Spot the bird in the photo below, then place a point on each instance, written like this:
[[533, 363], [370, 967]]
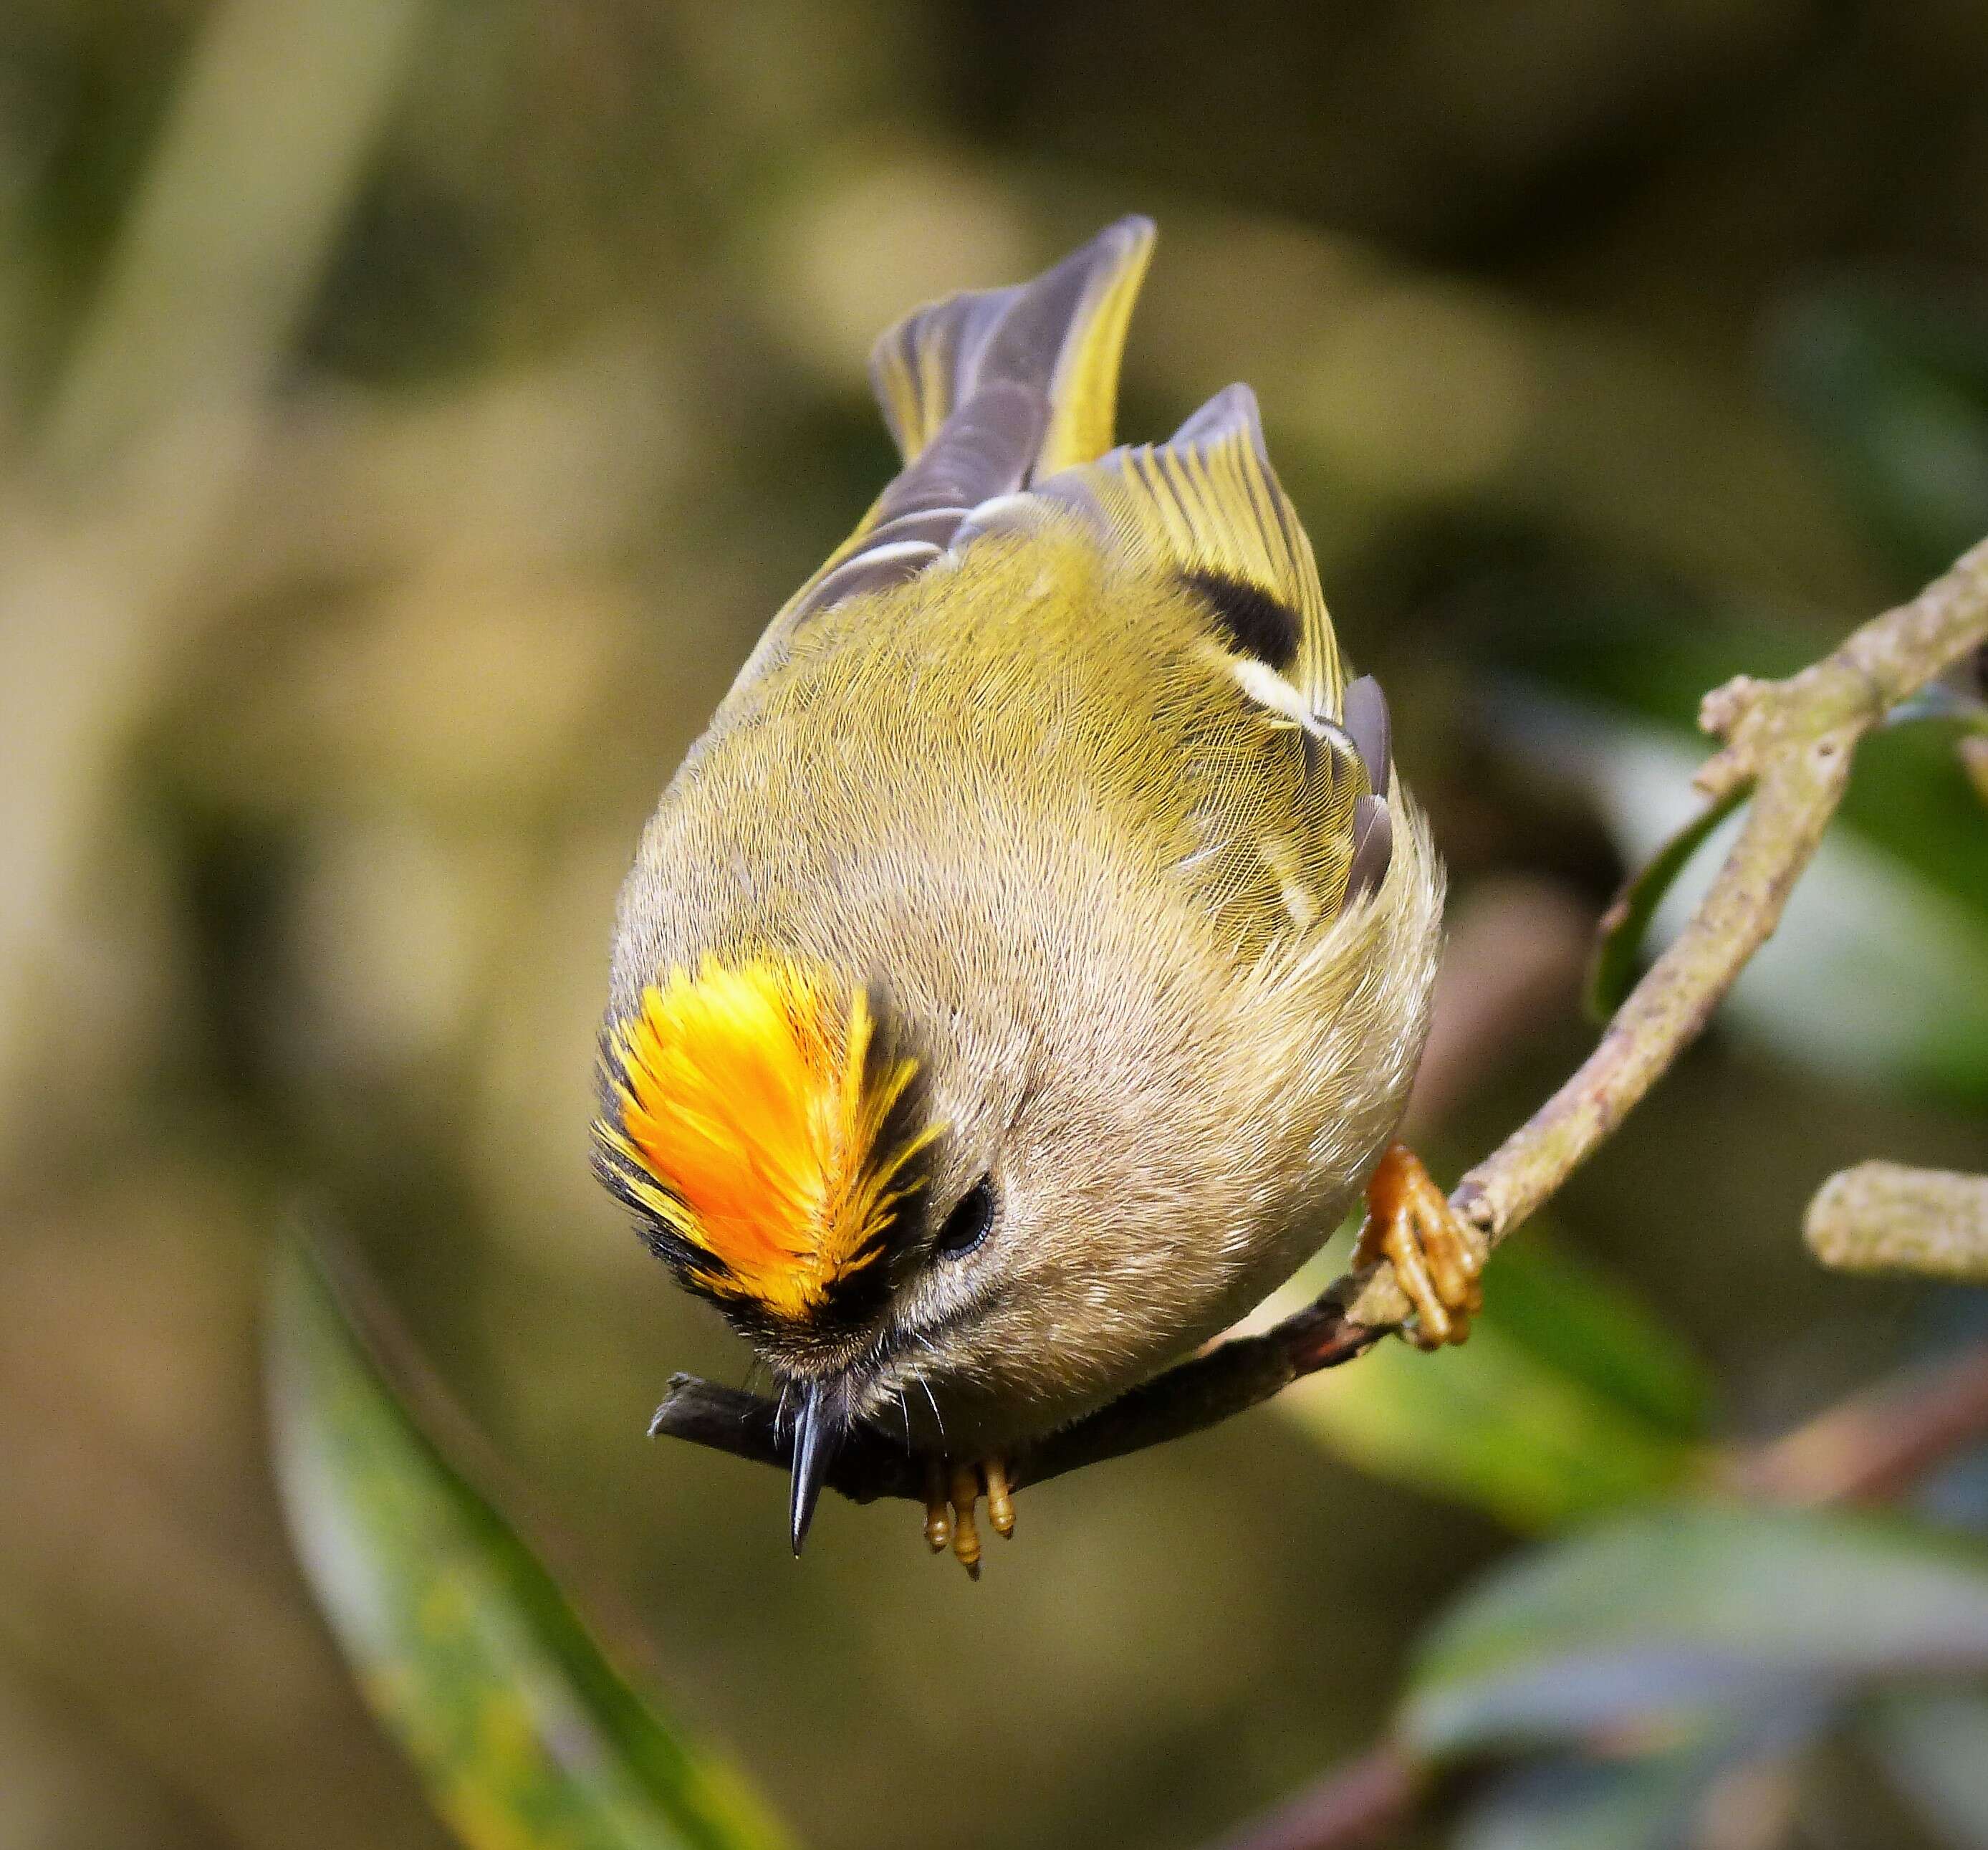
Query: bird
[[1025, 970]]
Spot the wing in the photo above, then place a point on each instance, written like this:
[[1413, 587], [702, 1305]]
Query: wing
[[1206, 508], [1061, 336], [1207, 502], [985, 392], [1001, 403]]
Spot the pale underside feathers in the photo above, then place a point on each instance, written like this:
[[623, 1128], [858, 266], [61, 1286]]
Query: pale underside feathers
[[1002, 402]]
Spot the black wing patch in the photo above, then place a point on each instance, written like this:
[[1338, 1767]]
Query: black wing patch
[[1252, 620]]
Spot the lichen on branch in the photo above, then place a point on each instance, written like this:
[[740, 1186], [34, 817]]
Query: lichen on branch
[[1883, 1217]]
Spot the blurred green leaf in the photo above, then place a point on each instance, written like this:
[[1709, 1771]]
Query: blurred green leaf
[[1875, 973], [1617, 960], [463, 1643], [1625, 653], [1569, 1398], [1935, 1745], [1909, 794], [1893, 380], [1572, 1317], [1658, 1619]]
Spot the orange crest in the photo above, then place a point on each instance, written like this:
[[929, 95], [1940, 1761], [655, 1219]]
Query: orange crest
[[751, 1125]]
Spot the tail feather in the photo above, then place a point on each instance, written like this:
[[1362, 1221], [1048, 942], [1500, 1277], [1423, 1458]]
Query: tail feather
[[985, 393], [1060, 337]]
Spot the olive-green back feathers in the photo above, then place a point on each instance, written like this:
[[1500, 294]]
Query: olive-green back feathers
[[1003, 402], [998, 392]]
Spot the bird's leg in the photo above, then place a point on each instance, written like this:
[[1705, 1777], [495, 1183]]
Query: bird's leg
[[1436, 1254], [952, 1497]]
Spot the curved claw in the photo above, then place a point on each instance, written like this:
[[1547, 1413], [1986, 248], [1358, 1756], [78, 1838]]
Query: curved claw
[[1436, 1254]]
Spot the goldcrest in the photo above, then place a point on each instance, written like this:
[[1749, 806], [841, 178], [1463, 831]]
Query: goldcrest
[[1026, 969]]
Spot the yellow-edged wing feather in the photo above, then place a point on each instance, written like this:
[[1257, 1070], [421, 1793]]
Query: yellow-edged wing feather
[[1061, 336], [984, 393], [1207, 500], [1205, 508]]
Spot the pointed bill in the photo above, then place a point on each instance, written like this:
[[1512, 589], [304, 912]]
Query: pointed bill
[[817, 1439]]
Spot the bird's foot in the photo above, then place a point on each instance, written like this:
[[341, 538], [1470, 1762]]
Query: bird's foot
[[952, 1494], [1436, 1254]]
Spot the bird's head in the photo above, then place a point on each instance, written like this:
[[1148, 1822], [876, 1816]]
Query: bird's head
[[773, 1139], [906, 1206]]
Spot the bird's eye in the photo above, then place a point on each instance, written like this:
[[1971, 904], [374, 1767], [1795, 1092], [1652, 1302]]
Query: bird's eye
[[966, 1227]]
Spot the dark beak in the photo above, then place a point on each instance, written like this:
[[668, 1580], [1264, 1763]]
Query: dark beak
[[817, 1437]]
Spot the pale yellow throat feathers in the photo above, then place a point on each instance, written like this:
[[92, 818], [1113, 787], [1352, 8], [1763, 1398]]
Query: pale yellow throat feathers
[[752, 1116]]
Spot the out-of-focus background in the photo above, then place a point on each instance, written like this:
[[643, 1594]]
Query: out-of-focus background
[[411, 411]]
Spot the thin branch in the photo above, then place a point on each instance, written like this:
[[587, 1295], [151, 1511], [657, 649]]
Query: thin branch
[[1229, 1379], [1367, 1800], [1791, 743], [1883, 1217], [1876, 1444]]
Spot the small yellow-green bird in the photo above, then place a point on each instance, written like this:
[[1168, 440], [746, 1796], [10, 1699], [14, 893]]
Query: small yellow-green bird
[[1025, 972]]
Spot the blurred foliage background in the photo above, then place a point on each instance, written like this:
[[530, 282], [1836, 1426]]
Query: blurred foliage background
[[410, 411]]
